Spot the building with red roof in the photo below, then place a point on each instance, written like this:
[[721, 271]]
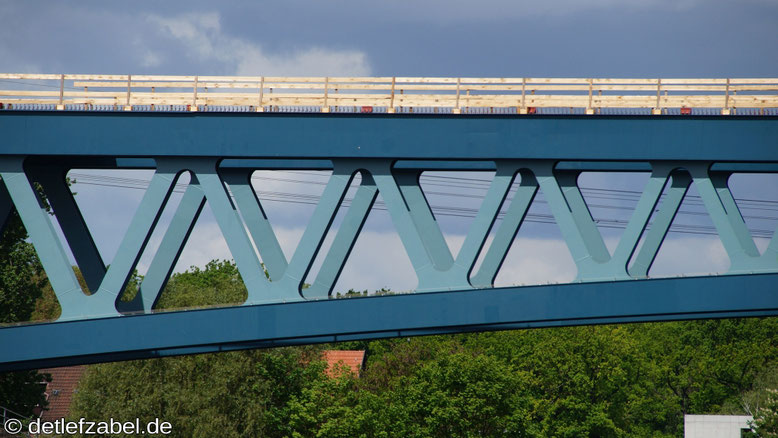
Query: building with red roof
[[352, 359]]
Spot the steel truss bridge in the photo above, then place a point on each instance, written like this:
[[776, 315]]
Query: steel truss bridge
[[388, 149]]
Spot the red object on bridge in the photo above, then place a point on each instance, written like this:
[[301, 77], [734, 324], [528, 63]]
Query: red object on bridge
[[367, 109], [532, 110], [686, 111]]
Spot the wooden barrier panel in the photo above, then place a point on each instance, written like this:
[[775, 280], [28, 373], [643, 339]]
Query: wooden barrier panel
[[264, 93]]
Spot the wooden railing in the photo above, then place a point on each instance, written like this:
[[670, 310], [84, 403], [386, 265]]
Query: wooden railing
[[265, 93]]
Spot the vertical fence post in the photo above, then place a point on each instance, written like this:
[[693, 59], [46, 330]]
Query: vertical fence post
[[260, 107], [325, 108], [193, 107], [589, 109], [128, 103], [390, 110], [523, 109], [61, 104], [657, 111], [457, 110], [726, 111]]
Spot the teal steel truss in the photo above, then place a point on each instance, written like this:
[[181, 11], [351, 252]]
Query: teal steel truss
[[220, 174]]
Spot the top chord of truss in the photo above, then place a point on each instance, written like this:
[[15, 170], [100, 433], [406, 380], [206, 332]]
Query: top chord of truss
[[383, 94]]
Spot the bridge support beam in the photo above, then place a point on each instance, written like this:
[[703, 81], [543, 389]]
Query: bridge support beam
[[389, 152], [273, 325]]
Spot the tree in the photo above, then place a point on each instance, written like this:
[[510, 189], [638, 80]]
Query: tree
[[426, 387], [705, 367], [765, 422], [218, 284], [634, 380], [237, 394], [21, 284]]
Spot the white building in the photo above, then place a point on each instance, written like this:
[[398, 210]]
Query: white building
[[715, 426]]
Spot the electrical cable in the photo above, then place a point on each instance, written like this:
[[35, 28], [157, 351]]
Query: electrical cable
[[461, 212]]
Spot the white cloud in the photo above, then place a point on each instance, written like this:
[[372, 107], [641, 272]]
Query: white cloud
[[690, 255], [378, 260], [150, 58], [202, 37], [206, 243], [536, 261]]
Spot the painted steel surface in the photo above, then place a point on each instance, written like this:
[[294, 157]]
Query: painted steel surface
[[389, 153], [308, 136], [274, 325]]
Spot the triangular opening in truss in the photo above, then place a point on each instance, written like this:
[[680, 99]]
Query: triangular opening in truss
[[498, 221], [538, 253], [163, 223], [455, 199], [612, 198], [289, 198], [108, 200], [691, 246], [205, 274], [756, 196], [378, 262], [148, 258], [336, 226]]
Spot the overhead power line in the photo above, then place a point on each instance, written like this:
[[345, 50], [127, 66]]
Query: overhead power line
[[465, 212]]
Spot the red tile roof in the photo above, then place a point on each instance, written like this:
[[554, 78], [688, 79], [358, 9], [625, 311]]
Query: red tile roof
[[59, 392], [353, 359]]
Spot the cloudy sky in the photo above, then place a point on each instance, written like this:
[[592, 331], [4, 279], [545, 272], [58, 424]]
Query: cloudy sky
[[492, 38], [632, 38]]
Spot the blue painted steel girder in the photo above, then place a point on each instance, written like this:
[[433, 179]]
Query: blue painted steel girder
[[224, 329], [395, 136], [226, 148]]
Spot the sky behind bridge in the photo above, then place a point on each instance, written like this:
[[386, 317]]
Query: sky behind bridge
[[503, 38], [494, 38]]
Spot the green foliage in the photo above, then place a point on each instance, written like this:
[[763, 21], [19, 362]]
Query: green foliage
[[351, 293], [766, 418], [602, 381], [21, 274], [707, 366], [600, 366], [238, 394], [326, 408], [218, 284], [22, 391], [21, 284]]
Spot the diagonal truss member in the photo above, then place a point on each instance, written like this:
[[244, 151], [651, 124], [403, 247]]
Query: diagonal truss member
[[241, 218]]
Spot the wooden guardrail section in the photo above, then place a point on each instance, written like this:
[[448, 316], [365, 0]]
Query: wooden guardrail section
[[265, 93]]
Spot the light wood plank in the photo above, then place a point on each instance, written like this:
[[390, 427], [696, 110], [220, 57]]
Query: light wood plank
[[395, 92]]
